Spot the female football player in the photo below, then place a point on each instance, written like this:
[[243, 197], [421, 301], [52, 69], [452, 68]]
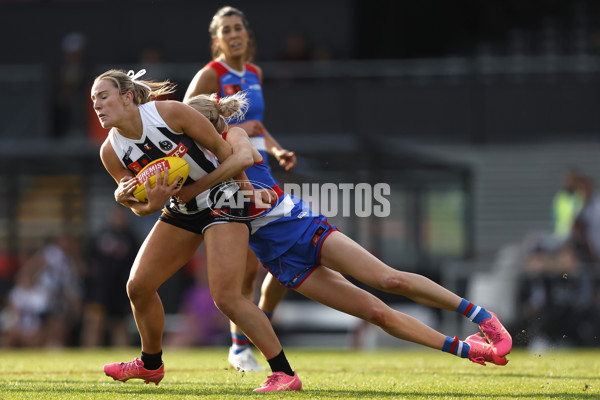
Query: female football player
[[142, 130], [306, 253]]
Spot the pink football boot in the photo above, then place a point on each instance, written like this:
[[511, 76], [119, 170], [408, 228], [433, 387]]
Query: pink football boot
[[279, 382], [497, 335], [481, 351], [134, 370]]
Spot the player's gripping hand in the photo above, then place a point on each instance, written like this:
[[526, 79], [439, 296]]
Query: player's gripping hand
[[124, 192], [162, 191], [263, 198]]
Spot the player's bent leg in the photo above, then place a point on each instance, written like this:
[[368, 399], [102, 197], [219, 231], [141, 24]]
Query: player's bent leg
[[240, 355], [344, 255], [157, 260], [271, 294], [226, 265]]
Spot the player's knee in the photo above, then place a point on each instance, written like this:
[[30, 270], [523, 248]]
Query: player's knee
[[377, 315], [136, 290], [226, 302], [396, 283]]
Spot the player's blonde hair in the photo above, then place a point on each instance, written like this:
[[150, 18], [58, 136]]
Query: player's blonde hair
[[218, 111], [228, 11], [143, 91]]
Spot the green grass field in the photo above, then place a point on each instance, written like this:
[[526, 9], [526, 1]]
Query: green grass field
[[326, 374]]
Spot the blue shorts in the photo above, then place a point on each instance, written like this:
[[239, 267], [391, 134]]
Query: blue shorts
[[296, 264]]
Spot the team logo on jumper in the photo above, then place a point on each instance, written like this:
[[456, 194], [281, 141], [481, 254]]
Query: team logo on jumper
[[234, 200], [166, 145], [231, 89]]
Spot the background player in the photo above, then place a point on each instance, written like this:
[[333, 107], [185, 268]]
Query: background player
[[232, 71]]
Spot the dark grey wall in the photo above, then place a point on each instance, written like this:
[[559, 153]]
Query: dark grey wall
[[118, 30]]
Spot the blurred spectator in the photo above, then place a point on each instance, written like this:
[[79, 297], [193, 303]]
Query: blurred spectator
[[22, 318], [110, 254], [201, 324], [586, 230], [44, 305], [71, 91], [566, 204], [557, 298]]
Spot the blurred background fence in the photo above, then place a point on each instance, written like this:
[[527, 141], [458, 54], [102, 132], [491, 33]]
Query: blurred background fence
[[470, 112]]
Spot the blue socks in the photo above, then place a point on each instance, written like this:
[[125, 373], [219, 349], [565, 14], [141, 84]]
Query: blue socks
[[456, 347], [239, 343], [474, 313]]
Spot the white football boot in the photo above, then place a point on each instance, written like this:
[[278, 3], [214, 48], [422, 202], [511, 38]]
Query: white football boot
[[244, 361]]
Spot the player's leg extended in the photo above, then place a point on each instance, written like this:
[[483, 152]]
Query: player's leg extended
[[342, 254], [226, 248], [332, 289]]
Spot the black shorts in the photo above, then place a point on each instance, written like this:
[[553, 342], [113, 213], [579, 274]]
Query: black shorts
[[198, 222]]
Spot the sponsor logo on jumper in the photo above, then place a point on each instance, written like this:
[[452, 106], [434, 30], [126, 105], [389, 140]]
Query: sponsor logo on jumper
[[179, 151], [162, 165]]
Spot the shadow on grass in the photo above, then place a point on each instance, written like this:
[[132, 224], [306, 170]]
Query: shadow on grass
[[56, 390], [508, 374]]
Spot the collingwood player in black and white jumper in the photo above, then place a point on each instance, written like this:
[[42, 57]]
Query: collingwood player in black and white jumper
[[142, 130]]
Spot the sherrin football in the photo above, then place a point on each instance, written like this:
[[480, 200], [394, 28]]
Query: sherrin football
[[175, 166]]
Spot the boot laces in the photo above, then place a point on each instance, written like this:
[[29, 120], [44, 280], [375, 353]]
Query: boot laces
[[126, 366]]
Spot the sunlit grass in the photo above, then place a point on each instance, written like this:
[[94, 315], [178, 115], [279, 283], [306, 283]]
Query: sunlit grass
[[326, 374]]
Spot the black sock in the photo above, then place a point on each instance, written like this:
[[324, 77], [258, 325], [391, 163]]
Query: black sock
[[152, 361], [280, 363]]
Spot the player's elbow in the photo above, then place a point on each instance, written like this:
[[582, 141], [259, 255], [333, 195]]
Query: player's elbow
[[244, 160]]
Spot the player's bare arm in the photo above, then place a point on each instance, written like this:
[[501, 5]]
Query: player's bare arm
[[183, 118], [286, 158], [205, 81]]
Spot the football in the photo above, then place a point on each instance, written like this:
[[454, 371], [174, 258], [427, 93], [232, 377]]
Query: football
[[175, 166]]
